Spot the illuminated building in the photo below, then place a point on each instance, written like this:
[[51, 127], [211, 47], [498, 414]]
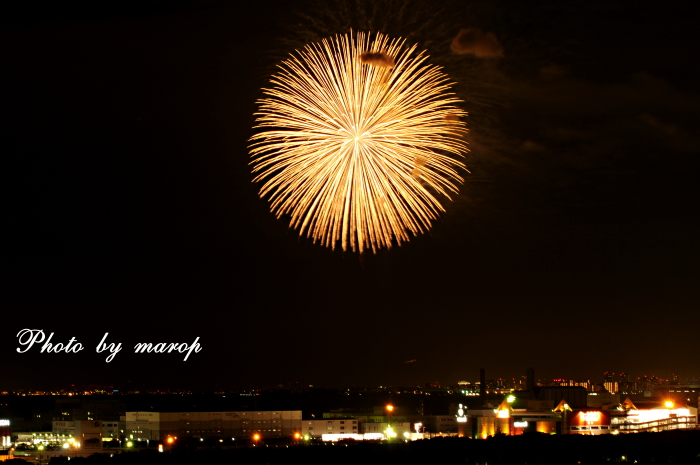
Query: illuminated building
[[5, 434], [109, 430], [349, 428], [389, 430], [461, 419], [5, 440], [633, 417], [584, 383], [41, 437], [468, 389], [536, 420], [141, 426], [315, 428], [112, 430], [589, 422], [437, 424], [687, 393], [62, 427], [430, 424], [480, 424], [484, 422], [612, 386], [647, 384], [89, 433], [377, 414]]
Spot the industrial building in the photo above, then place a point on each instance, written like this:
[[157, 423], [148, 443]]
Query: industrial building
[[316, 428], [158, 426]]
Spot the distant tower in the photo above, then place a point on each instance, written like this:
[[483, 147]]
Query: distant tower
[[530, 373], [482, 385], [5, 435], [625, 383]]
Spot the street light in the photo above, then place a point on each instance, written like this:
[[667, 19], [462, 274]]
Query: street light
[[669, 405]]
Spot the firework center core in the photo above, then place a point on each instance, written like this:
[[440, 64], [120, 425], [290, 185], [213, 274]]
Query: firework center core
[[359, 137]]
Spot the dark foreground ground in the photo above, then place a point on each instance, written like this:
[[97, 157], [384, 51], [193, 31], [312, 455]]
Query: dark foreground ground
[[678, 447]]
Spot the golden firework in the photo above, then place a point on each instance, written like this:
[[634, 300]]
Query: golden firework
[[357, 136]]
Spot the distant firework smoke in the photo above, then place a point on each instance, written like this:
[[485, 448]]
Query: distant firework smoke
[[357, 136], [431, 25]]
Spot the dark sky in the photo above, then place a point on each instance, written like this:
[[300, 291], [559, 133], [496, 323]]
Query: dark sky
[[572, 246]]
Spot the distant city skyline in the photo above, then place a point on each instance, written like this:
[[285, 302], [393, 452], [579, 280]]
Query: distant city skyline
[[501, 384]]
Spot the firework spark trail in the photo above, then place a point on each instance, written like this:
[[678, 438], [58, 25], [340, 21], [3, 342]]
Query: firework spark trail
[[352, 151]]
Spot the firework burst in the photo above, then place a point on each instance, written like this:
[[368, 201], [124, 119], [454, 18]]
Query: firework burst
[[357, 136]]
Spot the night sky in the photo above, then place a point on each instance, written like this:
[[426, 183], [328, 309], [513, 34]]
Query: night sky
[[572, 247]]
